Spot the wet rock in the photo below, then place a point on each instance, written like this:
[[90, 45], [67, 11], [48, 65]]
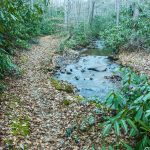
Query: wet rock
[[68, 73], [84, 60], [91, 46], [62, 71], [112, 58], [94, 69], [77, 67], [50, 70], [114, 77], [57, 67], [57, 74], [104, 70], [77, 78], [78, 90], [98, 69], [71, 70], [82, 70], [91, 78]]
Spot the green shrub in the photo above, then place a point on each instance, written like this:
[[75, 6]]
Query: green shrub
[[52, 24], [5, 64], [101, 23], [18, 24], [20, 127], [132, 32], [115, 37], [81, 36], [130, 111]]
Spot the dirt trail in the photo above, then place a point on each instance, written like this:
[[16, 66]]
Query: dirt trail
[[39, 100]]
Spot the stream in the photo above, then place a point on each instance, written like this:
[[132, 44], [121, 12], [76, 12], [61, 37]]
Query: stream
[[92, 73]]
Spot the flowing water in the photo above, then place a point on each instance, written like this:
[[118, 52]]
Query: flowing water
[[91, 73]]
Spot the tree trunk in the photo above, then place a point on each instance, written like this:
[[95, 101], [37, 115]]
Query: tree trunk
[[117, 11], [32, 4], [66, 15], [136, 12], [92, 12]]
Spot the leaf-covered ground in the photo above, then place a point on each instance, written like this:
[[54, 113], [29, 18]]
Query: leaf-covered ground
[[34, 115], [137, 60]]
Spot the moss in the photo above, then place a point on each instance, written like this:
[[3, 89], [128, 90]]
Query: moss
[[61, 86], [80, 98], [66, 102], [22, 71], [20, 126], [24, 59], [68, 88]]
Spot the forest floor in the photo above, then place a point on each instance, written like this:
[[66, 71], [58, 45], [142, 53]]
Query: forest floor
[[139, 61], [31, 105]]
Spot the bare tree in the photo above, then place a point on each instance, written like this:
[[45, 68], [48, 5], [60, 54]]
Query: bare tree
[[32, 4], [91, 15], [117, 11], [66, 12]]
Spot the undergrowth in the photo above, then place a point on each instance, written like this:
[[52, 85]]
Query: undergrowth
[[130, 33]]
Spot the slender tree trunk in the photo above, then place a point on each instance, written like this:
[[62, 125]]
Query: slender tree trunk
[[46, 2], [127, 5], [117, 11], [32, 4], [66, 17], [78, 11], [136, 11], [92, 12]]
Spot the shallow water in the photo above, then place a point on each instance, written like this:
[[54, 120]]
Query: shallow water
[[91, 72], [89, 76], [98, 52]]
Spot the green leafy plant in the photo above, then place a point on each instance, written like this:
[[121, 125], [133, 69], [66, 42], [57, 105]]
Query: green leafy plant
[[130, 33], [54, 24], [129, 110], [20, 126], [18, 24], [81, 36]]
